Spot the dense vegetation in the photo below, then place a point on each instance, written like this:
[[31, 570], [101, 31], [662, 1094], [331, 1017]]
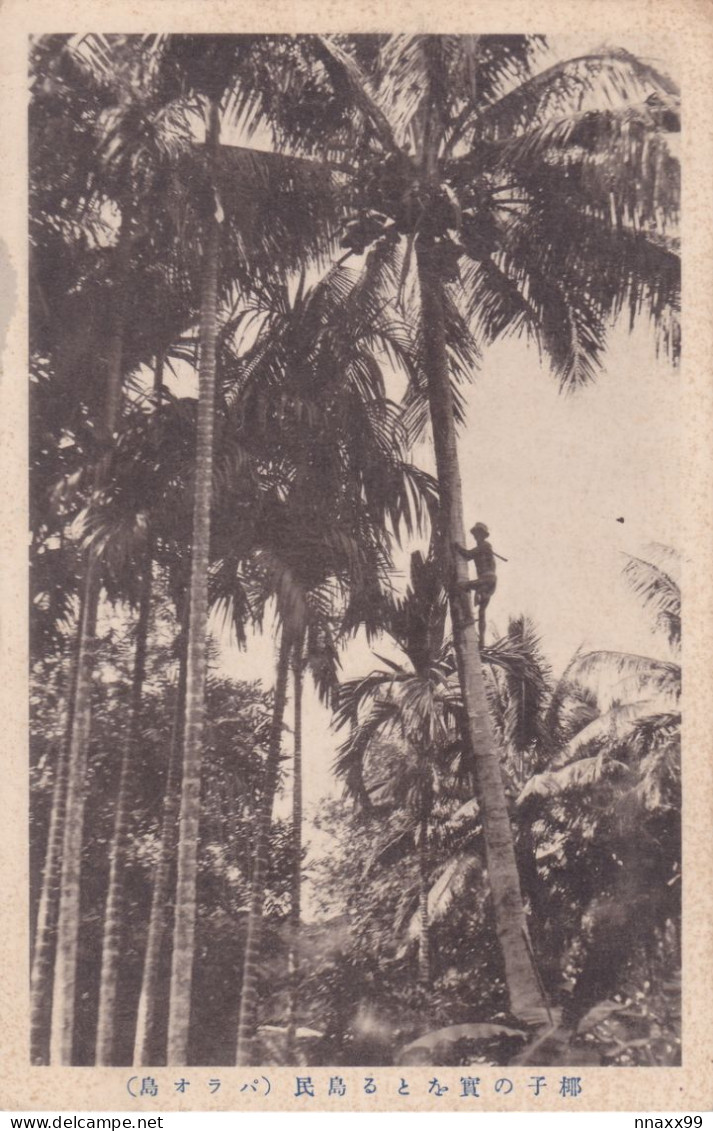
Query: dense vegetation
[[261, 269]]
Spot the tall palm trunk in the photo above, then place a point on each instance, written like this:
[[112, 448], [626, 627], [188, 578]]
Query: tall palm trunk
[[523, 988], [184, 923], [45, 935], [296, 892], [146, 1042], [424, 937], [65, 971], [113, 915], [111, 940], [248, 995]]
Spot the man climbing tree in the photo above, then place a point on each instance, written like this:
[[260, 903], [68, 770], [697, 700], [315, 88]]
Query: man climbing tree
[[484, 586]]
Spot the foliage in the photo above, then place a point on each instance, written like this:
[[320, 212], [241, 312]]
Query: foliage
[[235, 752]]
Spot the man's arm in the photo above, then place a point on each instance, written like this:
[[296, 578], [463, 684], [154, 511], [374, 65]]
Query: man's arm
[[469, 555]]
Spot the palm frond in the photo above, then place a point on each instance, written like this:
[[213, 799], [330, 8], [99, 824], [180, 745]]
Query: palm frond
[[351, 761], [642, 673], [579, 775], [615, 74], [612, 727], [456, 876], [657, 586]]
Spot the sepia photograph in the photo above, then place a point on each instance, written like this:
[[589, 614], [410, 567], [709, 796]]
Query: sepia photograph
[[356, 551], [319, 325]]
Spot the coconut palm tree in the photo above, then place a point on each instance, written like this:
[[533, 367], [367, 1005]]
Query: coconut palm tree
[[534, 209], [609, 806], [645, 687]]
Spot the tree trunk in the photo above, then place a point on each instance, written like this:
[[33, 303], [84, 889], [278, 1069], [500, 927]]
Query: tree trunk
[[296, 894], [65, 973], [424, 940], [248, 995], [113, 915], [184, 923], [45, 936], [146, 1040], [525, 997]]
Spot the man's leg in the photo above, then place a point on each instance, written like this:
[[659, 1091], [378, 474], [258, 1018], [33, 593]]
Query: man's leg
[[482, 606]]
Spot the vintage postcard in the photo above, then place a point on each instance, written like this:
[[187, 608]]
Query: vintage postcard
[[357, 601]]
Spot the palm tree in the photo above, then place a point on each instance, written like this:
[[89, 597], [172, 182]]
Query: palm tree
[[140, 516], [310, 390], [184, 924], [113, 914], [520, 693], [248, 994], [419, 709], [116, 64], [111, 939], [146, 1036], [492, 177], [44, 940], [316, 652], [646, 687], [420, 705], [516, 202], [112, 166], [68, 916], [218, 71], [615, 786], [296, 887]]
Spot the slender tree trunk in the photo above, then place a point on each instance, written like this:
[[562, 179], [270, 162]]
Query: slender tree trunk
[[296, 895], [424, 939], [248, 995], [45, 937], [113, 915], [65, 973], [184, 923], [43, 954], [146, 1041], [111, 940], [525, 997]]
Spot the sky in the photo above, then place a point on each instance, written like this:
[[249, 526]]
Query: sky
[[550, 474]]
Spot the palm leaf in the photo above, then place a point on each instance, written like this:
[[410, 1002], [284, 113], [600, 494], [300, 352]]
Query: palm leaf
[[641, 673], [615, 73], [612, 726], [455, 877], [579, 775], [658, 588]]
